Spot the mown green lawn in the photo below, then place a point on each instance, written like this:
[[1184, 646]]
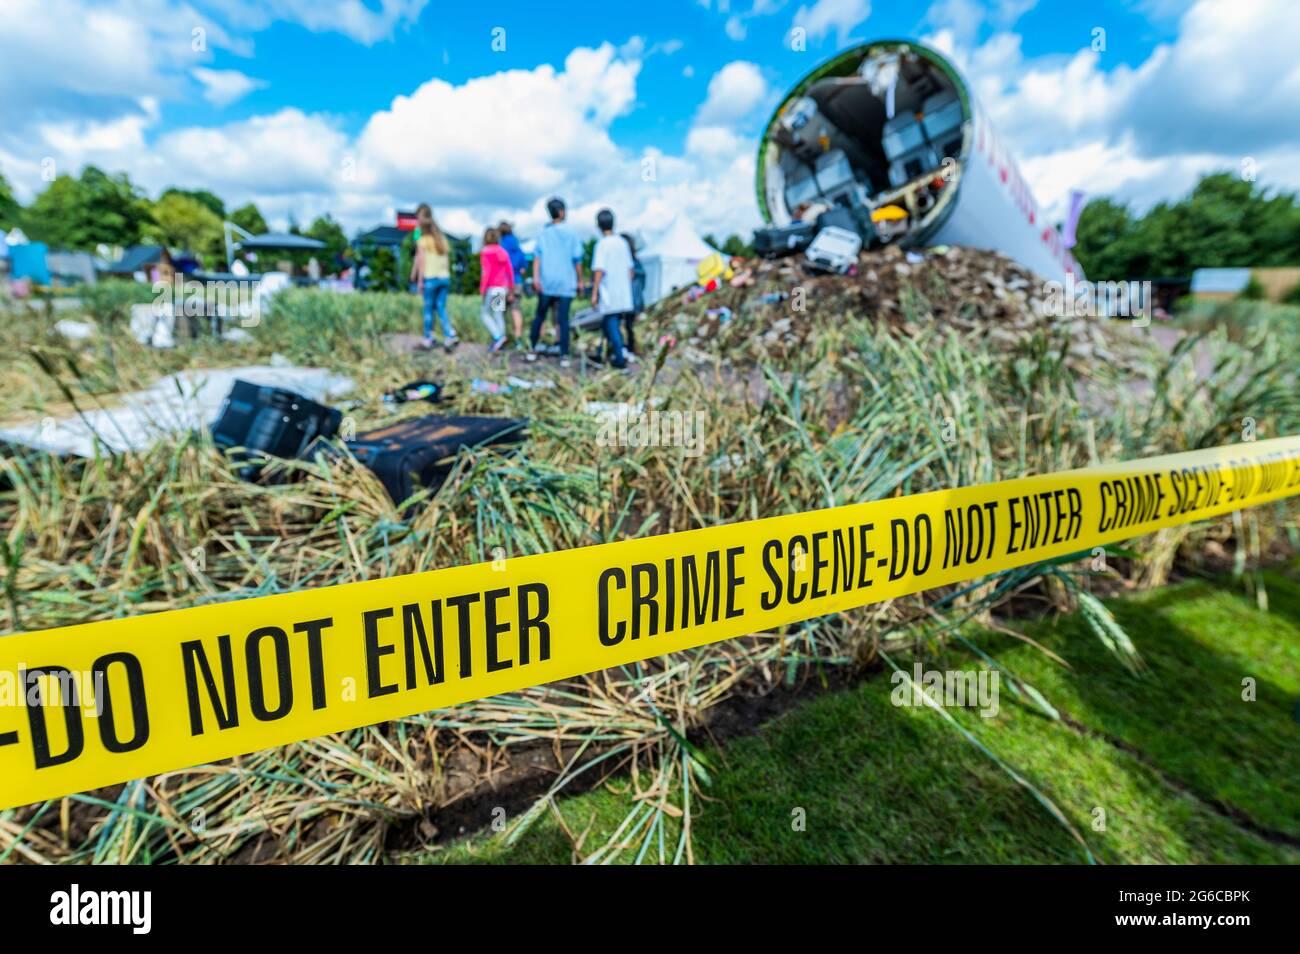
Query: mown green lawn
[[1174, 763]]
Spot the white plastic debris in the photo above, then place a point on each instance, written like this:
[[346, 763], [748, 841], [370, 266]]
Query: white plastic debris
[[528, 384], [618, 408], [75, 330], [153, 326]]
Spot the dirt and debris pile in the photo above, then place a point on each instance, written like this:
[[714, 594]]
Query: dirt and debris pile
[[771, 308]]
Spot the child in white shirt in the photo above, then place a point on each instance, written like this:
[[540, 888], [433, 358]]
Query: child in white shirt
[[611, 291]]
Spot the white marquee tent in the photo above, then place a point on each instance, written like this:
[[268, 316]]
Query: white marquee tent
[[671, 259]]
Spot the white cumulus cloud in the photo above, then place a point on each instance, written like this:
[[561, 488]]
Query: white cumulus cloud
[[735, 91], [223, 87], [510, 135], [364, 22], [839, 16]]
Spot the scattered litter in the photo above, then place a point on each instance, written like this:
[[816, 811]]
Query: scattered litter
[[728, 463], [153, 326], [75, 330], [586, 319], [429, 391], [513, 383], [619, 408], [528, 384], [713, 268], [695, 355]]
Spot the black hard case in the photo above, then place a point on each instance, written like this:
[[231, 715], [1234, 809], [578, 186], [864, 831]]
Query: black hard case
[[270, 420], [419, 452]]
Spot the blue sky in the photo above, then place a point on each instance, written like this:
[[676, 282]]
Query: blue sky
[[334, 73], [360, 106]]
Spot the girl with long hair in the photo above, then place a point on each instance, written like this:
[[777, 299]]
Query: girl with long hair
[[432, 268]]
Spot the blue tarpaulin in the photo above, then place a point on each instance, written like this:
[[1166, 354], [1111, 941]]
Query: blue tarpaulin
[[28, 261]]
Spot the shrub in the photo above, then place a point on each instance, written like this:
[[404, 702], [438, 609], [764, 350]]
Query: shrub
[[1254, 290], [109, 302]]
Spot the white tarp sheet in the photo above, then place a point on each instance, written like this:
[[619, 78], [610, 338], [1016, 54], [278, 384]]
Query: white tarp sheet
[[177, 403]]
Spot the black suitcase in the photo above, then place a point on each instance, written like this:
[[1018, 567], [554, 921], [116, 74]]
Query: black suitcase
[[269, 420], [782, 240], [419, 452]]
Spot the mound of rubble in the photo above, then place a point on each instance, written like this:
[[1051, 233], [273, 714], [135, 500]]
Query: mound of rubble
[[771, 308]]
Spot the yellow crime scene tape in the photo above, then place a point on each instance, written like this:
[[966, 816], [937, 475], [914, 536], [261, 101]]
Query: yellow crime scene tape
[[95, 704]]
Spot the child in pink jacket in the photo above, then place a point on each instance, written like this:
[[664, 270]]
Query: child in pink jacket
[[497, 281]]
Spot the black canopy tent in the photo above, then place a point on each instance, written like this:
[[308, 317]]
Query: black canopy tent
[[279, 241], [267, 241]]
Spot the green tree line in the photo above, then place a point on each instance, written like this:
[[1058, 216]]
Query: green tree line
[[1223, 222], [99, 208]]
